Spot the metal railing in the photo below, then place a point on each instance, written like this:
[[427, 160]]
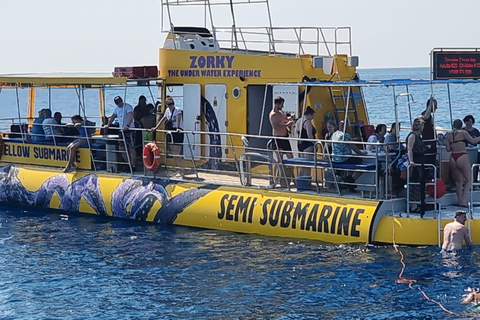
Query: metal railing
[[232, 163], [327, 41]]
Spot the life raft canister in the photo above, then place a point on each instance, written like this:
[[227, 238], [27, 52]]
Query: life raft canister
[[151, 156]]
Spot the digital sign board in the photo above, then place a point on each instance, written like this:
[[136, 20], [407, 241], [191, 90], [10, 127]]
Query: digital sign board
[[456, 65]]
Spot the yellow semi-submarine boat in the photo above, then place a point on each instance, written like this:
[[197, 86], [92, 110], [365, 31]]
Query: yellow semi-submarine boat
[[232, 178]]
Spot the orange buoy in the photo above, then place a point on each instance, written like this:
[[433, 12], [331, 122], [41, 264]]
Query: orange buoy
[[151, 156]]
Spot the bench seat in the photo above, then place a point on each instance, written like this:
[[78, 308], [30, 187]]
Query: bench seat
[[326, 164]]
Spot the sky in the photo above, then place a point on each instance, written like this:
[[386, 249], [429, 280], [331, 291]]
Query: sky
[[41, 36]]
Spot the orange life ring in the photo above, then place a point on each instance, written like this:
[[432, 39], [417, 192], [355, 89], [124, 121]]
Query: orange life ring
[[151, 156]]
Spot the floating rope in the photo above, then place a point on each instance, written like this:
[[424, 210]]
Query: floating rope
[[401, 278]]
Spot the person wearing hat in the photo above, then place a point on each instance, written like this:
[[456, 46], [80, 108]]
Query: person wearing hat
[[455, 232], [124, 113]]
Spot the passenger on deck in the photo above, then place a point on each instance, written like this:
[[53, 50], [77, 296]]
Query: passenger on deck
[[331, 128], [50, 126], [140, 111], [306, 131], [148, 121], [459, 161], [280, 122], [58, 117], [377, 137], [455, 232], [37, 133], [173, 122], [416, 155], [391, 137], [72, 148], [124, 113], [342, 152], [469, 121], [428, 133]]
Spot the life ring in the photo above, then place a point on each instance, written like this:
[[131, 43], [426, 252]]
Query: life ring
[[151, 156]]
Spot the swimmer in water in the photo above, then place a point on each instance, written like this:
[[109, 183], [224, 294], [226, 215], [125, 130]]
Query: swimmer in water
[[473, 296], [455, 232]]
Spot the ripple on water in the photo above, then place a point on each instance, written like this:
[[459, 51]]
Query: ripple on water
[[84, 267]]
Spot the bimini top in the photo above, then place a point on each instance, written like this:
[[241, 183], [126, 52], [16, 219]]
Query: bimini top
[[15, 80], [378, 83]]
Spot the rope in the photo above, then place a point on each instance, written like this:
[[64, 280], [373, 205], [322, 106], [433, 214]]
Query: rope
[[401, 278]]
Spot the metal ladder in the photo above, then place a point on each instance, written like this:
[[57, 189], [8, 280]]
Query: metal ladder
[[437, 208], [409, 183], [339, 102]]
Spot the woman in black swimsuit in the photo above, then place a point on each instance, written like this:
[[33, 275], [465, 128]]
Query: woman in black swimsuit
[[307, 131], [459, 162]]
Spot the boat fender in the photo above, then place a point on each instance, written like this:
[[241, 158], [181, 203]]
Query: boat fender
[[151, 156]]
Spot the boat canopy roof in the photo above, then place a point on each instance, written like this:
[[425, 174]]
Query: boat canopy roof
[[378, 83], [42, 81]]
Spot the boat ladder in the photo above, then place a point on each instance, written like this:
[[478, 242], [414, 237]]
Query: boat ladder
[[339, 101]]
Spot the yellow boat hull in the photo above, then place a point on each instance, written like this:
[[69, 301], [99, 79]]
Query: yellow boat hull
[[325, 218]]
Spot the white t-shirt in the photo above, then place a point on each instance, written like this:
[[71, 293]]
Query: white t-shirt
[[49, 129], [374, 138], [173, 117], [121, 113]]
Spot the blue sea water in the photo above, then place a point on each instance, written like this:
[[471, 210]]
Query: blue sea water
[[63, 266]]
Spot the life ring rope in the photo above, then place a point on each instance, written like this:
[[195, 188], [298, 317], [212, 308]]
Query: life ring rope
[[151, 156]]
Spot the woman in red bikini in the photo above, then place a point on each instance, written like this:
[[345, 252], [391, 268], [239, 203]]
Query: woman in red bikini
[[459, 162]]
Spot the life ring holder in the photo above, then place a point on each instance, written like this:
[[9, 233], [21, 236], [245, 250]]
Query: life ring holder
[[151, 156]]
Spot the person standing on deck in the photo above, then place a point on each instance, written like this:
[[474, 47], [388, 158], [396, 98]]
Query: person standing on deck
[[124, 113], [460, 166], [428, 132], [455, 232], [469, 121], [280, 122], [306, 130], [173, 119], [416, 155]]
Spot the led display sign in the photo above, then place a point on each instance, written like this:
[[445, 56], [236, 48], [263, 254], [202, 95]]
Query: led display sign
[[456, 65]]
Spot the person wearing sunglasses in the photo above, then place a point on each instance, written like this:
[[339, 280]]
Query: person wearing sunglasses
[[173, 121]]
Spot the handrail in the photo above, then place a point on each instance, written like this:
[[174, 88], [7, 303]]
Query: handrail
[[322, 40], [213, 163]]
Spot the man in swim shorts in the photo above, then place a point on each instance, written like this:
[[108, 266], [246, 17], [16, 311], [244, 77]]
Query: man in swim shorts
[[280, 122], [455, 232]]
